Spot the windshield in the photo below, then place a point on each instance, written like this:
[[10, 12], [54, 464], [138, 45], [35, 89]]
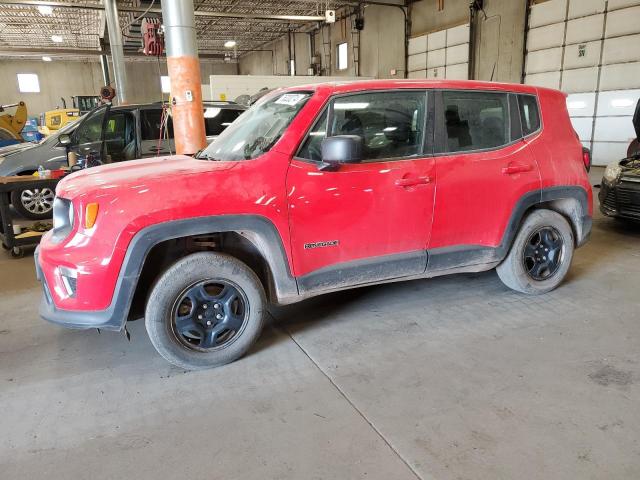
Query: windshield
[[257, 129], [68, 128]]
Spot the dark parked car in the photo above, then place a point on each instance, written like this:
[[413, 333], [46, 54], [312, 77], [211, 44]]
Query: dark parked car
[[106, 135], [620, 187]]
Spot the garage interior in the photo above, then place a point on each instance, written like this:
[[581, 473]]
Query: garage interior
[[455, 377]]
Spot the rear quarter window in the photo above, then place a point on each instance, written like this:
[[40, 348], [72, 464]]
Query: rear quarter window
[[529, 114]]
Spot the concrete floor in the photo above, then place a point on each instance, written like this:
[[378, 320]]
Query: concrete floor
[[450, 378]]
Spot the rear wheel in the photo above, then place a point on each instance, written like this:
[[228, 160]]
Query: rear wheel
[[541, 254], [33, 203], [206, 310]]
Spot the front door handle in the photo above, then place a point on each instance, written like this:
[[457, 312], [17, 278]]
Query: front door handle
[[412, 181], [514, 168]]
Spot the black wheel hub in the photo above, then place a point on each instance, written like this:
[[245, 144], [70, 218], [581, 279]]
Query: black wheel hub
[[543, 253], [209, 314]]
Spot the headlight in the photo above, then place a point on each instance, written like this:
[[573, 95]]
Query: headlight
[[63, 219], [612, 172]]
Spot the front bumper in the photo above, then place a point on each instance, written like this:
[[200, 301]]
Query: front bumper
[[621, 199], [107, 319]]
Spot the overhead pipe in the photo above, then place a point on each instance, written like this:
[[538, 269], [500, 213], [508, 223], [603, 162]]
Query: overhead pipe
[[117, 50], [184, 72]]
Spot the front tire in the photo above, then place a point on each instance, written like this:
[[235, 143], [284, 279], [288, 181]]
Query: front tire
[[205, 311], [33, 203], [540, 255]]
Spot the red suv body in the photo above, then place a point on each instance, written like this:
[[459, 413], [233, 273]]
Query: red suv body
[[327, 187]]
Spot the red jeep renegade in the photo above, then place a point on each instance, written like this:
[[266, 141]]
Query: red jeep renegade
[[317, 189]]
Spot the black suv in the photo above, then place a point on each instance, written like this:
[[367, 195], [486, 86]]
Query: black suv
[[106, 134], [620, 188]]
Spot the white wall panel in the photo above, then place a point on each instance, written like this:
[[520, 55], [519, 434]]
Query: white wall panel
[[458, 72], [437, 40], [620, 76], [614, 129], [616, 4], [547, 79], [545, 37], [585, 29], [604, 153], [417, 62], [546, 13], [458, 35], [458, 54], [580, 80], [623, 22], [417, 45], [618, 102], [418, 74], [437, 72], [544, 60], [581, 55], [583, 127], [582, 8], [581, 104], [436, 58], [621, 49]]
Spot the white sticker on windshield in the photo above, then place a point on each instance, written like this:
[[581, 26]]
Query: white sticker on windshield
[[290, 98]]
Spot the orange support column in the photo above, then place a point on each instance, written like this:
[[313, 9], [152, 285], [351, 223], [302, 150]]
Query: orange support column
[[184, 72]]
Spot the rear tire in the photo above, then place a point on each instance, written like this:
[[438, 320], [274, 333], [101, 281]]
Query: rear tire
[[540, 255], [205, 311]]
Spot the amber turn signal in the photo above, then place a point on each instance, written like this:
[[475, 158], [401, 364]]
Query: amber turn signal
[[90, 215]]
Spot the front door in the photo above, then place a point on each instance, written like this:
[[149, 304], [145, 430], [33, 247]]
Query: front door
[[87, 139], [368, 221]]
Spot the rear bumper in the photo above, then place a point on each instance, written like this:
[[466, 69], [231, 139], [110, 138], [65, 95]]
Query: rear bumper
[[104, 319]]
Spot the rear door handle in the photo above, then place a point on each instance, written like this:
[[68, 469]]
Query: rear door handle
[[514, 168], [413, 181]]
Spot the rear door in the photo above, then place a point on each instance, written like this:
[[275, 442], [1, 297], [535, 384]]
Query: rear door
[[483, 168]]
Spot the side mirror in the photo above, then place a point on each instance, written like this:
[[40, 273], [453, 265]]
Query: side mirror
[[341, 149], [64, 139]]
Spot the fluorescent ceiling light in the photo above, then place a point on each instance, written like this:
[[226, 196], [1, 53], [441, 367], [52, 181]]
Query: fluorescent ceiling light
[[46, 59], [621, 102], [45, 9], [576, 105], [230, 43], [56, 38]]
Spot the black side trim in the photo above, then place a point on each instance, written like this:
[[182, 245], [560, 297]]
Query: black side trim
[[260, 231], [362, 272]]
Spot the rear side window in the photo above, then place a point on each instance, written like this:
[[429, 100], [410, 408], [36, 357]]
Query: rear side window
[[217, 119], [150, 124], [475, 120], [529, 114]]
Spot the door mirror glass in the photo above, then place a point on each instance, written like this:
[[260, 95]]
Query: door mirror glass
[[341, 149], [64, 139]]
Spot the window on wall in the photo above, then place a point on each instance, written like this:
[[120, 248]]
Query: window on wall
[[165, 82], [28, 83], [342, 56]]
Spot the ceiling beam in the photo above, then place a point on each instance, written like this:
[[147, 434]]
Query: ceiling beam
[[82, 52], [198, 13]]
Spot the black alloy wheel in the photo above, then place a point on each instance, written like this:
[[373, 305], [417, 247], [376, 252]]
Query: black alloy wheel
[[543, 253]]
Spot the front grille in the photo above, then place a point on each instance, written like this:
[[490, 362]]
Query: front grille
[[628, 198], [609, 201]]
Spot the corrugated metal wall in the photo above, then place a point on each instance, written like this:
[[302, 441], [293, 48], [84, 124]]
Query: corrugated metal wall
[[591, 50], [440, 54]]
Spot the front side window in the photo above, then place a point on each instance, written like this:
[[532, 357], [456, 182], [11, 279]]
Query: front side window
[[90, 131], [475, 120], [529, 114], [391, 124], [258, 129]]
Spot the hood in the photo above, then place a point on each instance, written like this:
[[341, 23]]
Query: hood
[[157, 173], [18, 147]]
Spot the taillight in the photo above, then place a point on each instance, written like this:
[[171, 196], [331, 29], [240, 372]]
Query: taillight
[[586, 158]]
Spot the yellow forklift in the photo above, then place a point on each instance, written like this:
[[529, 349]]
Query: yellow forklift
[[12, 125]]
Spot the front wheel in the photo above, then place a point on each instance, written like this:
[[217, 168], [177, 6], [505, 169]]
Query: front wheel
[[541, 254], [205, 311], [33, 203]]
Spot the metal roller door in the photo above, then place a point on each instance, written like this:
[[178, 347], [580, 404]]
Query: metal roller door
[[440, 54]]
